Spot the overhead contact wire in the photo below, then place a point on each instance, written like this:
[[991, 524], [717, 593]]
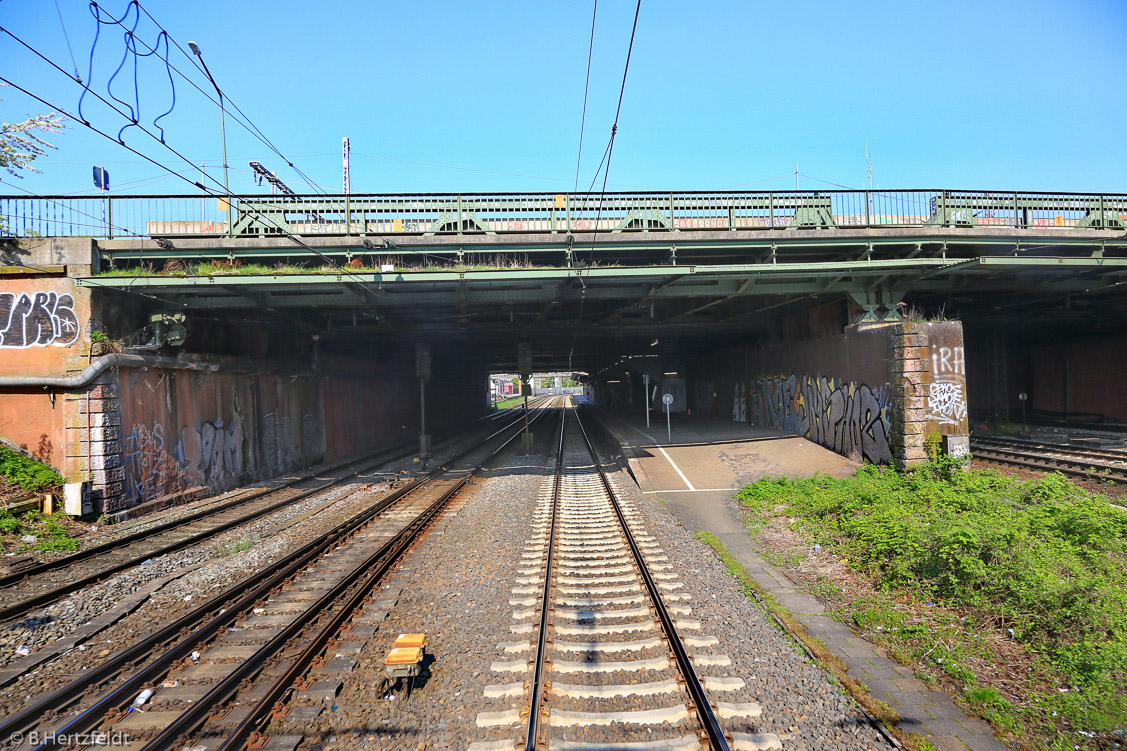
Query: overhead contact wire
[[266, 220], [586, 88], [614, 130]]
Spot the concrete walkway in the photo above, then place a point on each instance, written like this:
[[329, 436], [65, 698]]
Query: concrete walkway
[[697, 473]]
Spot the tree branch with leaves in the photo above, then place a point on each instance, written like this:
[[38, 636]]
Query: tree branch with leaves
[[20, 143]]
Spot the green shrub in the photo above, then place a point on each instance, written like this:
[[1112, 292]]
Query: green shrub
[[26, 473], [1045, 556]]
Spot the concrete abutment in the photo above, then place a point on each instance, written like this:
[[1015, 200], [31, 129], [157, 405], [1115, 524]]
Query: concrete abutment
[[262, 402]]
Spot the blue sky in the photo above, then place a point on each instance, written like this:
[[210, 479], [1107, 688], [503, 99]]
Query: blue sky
[[455, 96]]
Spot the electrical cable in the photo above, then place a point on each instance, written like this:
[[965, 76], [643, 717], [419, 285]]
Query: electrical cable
[[614, 131], [67, 38], [254, 129], [483, 171], [586, 87], [249, 125], [262, 217], [91, 216]]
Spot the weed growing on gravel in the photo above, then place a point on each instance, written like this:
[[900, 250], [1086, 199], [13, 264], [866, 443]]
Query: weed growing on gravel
[[25, 472], [1043, 561], [245, 543]]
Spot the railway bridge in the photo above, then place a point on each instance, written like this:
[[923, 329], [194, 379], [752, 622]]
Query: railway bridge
[[156, 346]]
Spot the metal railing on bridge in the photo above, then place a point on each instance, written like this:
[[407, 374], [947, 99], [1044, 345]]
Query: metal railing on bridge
[[531, 213]]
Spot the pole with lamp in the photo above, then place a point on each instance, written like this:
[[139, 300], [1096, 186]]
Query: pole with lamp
[[222, 131]]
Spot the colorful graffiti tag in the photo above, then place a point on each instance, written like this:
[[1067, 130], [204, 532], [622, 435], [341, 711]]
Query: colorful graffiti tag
[[850, 418], [37, 320]]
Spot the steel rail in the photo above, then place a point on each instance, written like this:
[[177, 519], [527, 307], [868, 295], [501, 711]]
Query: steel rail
[[1034, 460], [51, 595], [221, 610], [21, 607], [386, 556], [532, 730], [225, 611], [709, 721], [260, 713], [1111, 454], [94, 550]]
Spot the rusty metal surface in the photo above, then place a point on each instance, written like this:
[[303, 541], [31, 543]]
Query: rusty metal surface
[[180, 430]]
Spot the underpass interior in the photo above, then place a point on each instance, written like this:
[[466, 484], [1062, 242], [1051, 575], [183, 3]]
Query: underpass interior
[[864, 341]]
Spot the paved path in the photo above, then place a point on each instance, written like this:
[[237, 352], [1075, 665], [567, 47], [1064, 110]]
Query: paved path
[[696, 475]]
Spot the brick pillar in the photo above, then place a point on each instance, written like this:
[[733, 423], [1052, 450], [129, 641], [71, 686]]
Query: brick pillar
[[910, 365], [94, 438], [928, 390]]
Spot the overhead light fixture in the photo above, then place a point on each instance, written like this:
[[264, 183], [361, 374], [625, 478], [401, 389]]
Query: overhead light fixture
[[614, 381], [673, 373], [653, 343]]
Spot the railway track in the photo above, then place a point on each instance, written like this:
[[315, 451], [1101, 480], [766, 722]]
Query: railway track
[[40, 584], [222, 671], [607, 643], [1103, 464]]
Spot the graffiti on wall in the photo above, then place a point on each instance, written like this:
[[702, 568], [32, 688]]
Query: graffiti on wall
[[947, 391], [282, 446], [850, 418], [204, 454], [219, 454], [37, 319], [149, 470]]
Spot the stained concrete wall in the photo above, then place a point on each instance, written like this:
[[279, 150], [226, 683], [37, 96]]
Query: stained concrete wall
[[872, 392], [375, 401], [1080, 378], [271, 405], [181, 429]]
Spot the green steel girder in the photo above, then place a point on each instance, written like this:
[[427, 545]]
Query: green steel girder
[[1098, 212], [459, 219], [647, 219], [878, 305], [815, 213], [274, 246], [343, 296], [876, 285], [927, 267]]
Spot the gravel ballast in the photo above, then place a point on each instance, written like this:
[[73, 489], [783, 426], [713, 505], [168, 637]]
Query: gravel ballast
[[457, 589]]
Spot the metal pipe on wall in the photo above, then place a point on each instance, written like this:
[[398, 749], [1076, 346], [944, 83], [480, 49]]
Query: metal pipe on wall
[[116, 360]]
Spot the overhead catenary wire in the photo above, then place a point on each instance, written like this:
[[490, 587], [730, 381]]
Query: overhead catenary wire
[[66, 36], [253, 128], [586, 88], [262, 217], [17, 262], [248, 125], [614, 129]]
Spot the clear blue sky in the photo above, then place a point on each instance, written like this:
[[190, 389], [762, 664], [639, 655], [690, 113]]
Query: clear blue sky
[[457, 96]]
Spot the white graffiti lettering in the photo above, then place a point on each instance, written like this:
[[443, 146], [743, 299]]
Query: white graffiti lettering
[[948, 360], [946, 402], [37, 320]]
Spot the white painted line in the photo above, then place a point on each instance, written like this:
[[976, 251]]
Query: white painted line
[[662, 450], [694, 490], [675, 467]]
